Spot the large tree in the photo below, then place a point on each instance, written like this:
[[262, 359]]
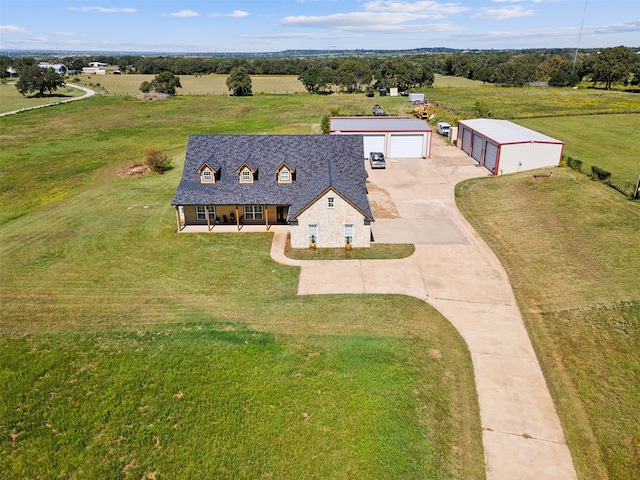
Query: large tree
[[611, 65], [239, 82], [166, 82], [353, 74], [37, 79]]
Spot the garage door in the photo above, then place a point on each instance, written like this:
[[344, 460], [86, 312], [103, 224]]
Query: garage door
[[406, 146], [373, 143], [476, 151], [466, 141], [491, 156]]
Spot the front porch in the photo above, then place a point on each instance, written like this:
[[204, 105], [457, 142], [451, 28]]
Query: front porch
[[230, 218], [220, 228]]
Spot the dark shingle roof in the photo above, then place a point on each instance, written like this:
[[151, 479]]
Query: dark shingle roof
[[321, 162]]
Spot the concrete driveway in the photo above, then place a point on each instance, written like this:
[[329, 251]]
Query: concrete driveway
[[456, 272]]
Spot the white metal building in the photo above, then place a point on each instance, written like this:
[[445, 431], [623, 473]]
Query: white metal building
[[505, 147], [396, 137]]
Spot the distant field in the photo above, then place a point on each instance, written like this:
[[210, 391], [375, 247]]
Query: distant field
[[11, 99], [617, 148], [528, 102], [449, 81], [194, 85]]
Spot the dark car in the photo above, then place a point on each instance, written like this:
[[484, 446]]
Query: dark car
[[376, 159]]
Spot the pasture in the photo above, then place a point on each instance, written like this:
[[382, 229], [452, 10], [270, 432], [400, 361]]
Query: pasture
[[129, 350], [616, 149], [570, 248], [11, 99]]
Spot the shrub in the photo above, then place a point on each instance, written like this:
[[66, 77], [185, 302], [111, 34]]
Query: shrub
[[600, 174], [574, 163], [156, 159], [325, 125]]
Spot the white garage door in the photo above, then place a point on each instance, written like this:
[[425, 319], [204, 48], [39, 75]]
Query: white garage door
[[491, 156], [406, 146], [466, 141], [373, 143], [476, 151]]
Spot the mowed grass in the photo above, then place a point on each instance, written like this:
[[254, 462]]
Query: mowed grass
[[570, 247], [611, 142], [11, 99], [129, 350], [528, 102], [123, 85], [376, 251]]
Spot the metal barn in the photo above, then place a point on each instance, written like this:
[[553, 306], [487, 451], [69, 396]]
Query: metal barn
[[396, 137], [505, 147]]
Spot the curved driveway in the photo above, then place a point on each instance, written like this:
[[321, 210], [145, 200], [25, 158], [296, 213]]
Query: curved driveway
[[456, 272], [87, 93]]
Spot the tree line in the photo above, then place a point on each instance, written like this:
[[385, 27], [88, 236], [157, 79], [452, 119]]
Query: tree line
[[358, 73]]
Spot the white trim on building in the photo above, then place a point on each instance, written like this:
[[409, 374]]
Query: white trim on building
[[505, 147], [396, 137]]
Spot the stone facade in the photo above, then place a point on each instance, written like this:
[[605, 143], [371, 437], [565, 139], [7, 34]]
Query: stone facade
[[331, 223]]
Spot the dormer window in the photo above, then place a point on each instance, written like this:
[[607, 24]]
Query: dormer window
[[207, 173], [285, 173], [246, 174]]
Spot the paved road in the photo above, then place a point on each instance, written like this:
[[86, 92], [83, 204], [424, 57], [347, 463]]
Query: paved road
[[87, 93], [456, 272]]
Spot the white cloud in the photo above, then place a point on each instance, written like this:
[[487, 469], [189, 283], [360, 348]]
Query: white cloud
[[38, 39], [504, 13], [103, 9], [14, 29], [384, 16], [63, 34], [184, 14], [235, 14]]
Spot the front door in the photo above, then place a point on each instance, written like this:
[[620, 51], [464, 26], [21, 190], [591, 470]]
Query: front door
[[281, 214]]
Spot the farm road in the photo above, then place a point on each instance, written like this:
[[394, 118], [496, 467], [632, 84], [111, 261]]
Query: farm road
[[456, 272], [87, 93]]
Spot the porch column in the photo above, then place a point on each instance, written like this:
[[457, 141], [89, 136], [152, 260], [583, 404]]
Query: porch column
[[206, 212], [237, 218], [178, 217], [266, 212]]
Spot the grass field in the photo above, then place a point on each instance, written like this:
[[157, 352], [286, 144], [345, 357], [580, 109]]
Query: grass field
[[215, 84], [100, 295], [528, 102], [11, 99], [129, 351], [570, 247], [616, 150]]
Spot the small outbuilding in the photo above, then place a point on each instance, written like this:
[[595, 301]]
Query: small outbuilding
[[396, 137], [505, 147]]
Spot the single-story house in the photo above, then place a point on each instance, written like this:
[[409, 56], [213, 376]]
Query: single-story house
[[505, 147], [316, 184], [396, 137], [57, 67]]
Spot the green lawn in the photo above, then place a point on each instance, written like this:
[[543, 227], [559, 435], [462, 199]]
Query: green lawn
[[11, 99], [122, 85], [617, 148], [129, 350], [528, 102], [570, 248], [377, 251]]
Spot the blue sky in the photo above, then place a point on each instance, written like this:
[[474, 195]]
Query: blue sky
[[271, 26]]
